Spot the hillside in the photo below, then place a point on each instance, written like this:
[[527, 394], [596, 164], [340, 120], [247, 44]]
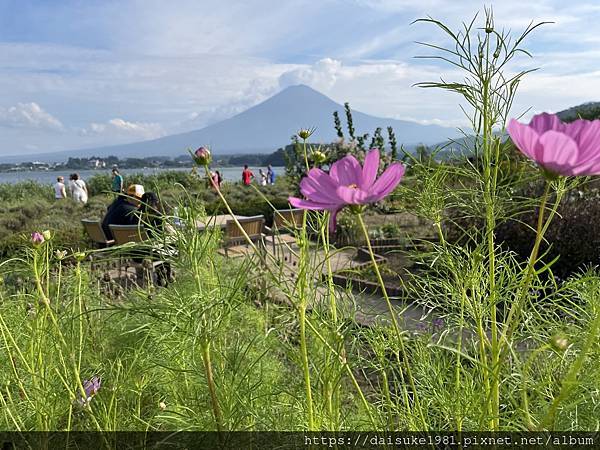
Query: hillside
[[589, 111]]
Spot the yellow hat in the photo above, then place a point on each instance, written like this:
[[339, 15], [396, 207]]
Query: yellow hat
[[135, 190]]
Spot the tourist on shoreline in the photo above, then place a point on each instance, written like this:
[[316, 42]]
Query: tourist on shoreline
[[117, 181], [263, 177], [122, 211], [270, 175], [247, 175], [60, 192], [78, 189], [217, 179]]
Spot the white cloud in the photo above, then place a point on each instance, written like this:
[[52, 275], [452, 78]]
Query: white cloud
[[28, 115], [119, 128], [322, 75]]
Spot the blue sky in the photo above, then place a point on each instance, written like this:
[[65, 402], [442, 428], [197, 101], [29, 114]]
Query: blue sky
[[86, 73]]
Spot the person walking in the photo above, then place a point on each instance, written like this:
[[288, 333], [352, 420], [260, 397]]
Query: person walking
[[263, 177], [217, 179], [247, 175], [117, 181], [60, 192], [78, 189], [270, 175]]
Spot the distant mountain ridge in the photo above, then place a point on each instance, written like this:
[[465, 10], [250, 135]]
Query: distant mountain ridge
[[588, 110], [263, 129], [460, 146]]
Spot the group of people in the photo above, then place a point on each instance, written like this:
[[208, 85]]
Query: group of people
[[76, 187], [264, 178]]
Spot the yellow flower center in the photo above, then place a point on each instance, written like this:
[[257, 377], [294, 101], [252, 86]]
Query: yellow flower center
[[353, 186]]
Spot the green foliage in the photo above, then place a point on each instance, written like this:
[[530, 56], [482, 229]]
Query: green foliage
[[587, 111], [338, 124]]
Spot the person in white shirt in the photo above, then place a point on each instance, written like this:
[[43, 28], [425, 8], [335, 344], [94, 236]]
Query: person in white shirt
[[78, 189], [59, 189], [263, 177]]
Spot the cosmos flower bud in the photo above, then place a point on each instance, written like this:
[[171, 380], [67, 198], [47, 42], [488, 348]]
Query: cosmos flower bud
[[79, 256], [202, 156], [559, 342], [37, 238], [60, 254], [162, 406], [47, 234], [489, 24], [305, 133], [318, 157]]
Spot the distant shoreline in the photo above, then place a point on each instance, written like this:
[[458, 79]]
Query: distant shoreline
[[229, 173]]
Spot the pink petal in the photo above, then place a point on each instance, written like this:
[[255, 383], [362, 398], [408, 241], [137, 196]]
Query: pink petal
[[574, 128], [308, 204], [319, 186], [333, 219], [559, 154], [590, 168], [588, 139], [352, 196], [370, 169], [386, 183], [524, 137], [546, 122], [346, 171]]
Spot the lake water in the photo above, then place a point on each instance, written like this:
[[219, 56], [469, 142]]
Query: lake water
[[49, 176]]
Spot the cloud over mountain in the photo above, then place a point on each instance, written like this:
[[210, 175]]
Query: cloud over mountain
[[123, 128]]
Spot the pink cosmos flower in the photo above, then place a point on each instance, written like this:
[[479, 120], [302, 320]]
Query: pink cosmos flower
[[567, 149], [347, 183], [91, 388]]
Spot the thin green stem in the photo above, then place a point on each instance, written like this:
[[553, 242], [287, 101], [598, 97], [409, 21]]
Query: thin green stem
[[395, 325], [211, 385], [306, 368], [517, 306], [524, 378], [305, 156], [233, 217], [570, 381], [348, 369]]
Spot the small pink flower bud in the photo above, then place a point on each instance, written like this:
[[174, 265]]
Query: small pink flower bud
[[202, 156], [37, 238]]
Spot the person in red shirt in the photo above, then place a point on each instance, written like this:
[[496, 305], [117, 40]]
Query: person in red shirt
[[247, 175]]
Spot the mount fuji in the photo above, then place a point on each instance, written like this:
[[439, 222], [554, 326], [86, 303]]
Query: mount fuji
[[264, 128]]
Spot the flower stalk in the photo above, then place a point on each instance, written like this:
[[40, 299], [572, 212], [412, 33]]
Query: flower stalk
[[397, 331]]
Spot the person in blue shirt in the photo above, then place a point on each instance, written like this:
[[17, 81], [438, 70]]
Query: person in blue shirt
[[270, 175]]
